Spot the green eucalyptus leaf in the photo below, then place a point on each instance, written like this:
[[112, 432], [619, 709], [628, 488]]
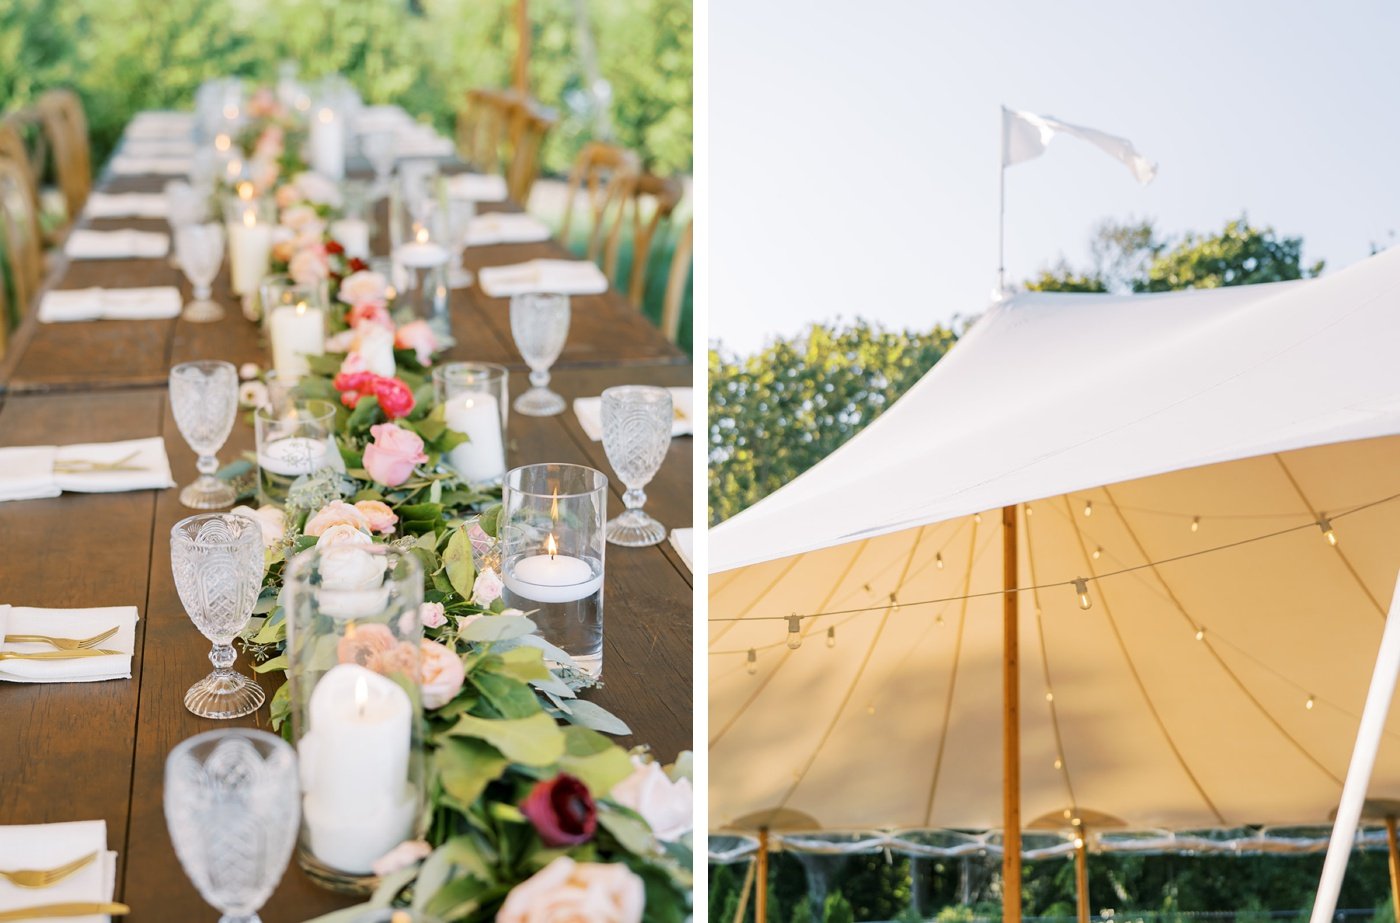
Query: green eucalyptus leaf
[[365, 414], [511, 697], [276, 663], [490, 521], [496, 628], [524, 663], [532, 741], [457, 559], [466, 766], [592, 715]]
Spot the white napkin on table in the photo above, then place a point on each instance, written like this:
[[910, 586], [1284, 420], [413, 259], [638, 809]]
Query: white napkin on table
[[67, 623], [422, 141], [158, 147], [589, 411], [132, 165], [479, 187], [126, 205], [46, 846], [160, 123], [82, 304], [683, 540], [87, 244], [567, 277], [381, 118], [27, 472], [505, 228]]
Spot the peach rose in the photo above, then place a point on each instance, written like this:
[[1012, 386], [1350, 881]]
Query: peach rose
[[334, 513], [317, 189], [432, 615], [399, 660], [298, 217], [272, 520], [487, 588], [308, 266], [342, 533], [394, 453], [287, 195], [419, 337], [566, 891], [667, 807], [440, 674], [364, 287], [363, 644], [378, 516]]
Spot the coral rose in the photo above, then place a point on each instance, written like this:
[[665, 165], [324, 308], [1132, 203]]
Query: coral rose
[[419, 337], [333, 513], [378, 515], [394, 453], [440, 674], [369, 313], [566, 891], [561, 810]]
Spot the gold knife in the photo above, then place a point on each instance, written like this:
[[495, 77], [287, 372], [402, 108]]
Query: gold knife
[[57, 655], [48, 911]]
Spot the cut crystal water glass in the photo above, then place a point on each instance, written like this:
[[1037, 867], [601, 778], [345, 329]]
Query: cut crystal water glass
[[199, 248], [217, 560], [204, 398], [232, 808], [636, 435], [539, 323]]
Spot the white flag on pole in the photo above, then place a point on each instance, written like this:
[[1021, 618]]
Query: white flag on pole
[[1025, 136]]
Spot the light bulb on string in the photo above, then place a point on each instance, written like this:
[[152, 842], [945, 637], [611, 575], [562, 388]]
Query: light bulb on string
[[870, 709], [1059, 764], [977, 517], [938, 560], [1029, 509], [1098, 553], [751, 662], [938, 619], [1081, 587], [1088, 508], [1325, 525], [831, 636], [894, 603], [1079, 842], [1310, 703], [1200, 634], [794, 635], [1195, 524], [1049, 696]]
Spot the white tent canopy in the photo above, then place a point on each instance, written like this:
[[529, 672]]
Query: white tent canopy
[[1185, 422]]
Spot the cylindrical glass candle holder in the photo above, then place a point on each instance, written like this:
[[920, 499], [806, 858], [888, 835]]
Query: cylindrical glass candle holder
[[552, 545], [420, 269], [293, 439], [353, 649], [475, 399], [294, 317], [249, 222]]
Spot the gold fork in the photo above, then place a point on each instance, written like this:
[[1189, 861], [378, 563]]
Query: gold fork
[[43, 878], [63, 644], [58, 655], [46, 911]]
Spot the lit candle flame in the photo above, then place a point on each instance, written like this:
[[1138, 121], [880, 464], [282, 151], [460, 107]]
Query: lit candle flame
[[361, 695], [421, 235], [222, 142], [250, 218], [245, 190], [230, 112], [551, 546], [235, 167], [325, 115], [301, 307]]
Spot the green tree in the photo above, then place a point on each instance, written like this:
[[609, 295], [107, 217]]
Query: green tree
[[838, 909], [1241, 254]]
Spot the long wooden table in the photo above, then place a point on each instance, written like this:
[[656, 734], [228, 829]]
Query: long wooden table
[[82, 751]]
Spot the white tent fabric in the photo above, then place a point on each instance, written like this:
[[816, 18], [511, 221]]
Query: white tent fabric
[[1184, 422]]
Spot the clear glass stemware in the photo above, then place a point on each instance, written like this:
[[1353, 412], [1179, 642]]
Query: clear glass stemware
[[636, 435], [233, 809], [380, 148], [217, 560], [460, 213], [540, 324], [199, 248], [204, 399]]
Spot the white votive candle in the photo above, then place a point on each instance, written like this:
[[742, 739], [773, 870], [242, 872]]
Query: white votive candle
[[557, 578], [421, 255], [328, 144], [358, 802], [353, 235], [297, 331], [482, 458], [293, 456], [249, 249]]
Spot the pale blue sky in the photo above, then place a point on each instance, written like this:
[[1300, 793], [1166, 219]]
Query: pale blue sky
[[853, 145]]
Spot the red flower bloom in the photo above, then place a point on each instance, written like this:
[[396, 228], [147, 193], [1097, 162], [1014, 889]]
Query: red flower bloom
[[355, 264], [353, 386], [394, 396], [333, 247], [562, 811]]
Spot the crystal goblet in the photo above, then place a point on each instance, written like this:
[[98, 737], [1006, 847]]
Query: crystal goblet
[[232, 807], [636, 434], [217, 560], [539, 322], [380, 148], [199, 248], [459, 215], [204, 399]]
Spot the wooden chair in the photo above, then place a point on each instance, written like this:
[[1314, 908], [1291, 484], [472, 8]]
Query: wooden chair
[[66, 129], [529, 126], [19, 239], [650, 199], [597, 170], [499, 131], [481, 128], [676, 283]]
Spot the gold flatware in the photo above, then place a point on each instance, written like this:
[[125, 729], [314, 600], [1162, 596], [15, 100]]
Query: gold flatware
[[83, 466], [57, 655], [42, 878], [49, 911], [63, 644]]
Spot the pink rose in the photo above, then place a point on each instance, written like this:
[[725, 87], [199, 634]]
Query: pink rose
[[432, 615], [440, 674], [287, 196], [342, 533], [487, 588], [394, 453], [582, 892], [272, 520], [283, 251], [368, 314], [333, 513], [407, 853], [419, 337], [264, 172], [298, 217], [364, 288], [308, 266], [317, 189], [668, 807], [378, 515], [363, 643]]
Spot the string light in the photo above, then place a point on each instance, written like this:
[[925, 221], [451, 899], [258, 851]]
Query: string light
[[1325, 525], [1081, 586], [938, 560], [1079, 842], [1309, 703], [831, 636], [870, 709], [938, 619], [1200, 634], [894, 603], [1088, 508], [1098, 553], [977, 517], [751, 666], [794, 637], [1029, 510], [1196, 524], [1049, 696], [1068, 813], [1059, 764]]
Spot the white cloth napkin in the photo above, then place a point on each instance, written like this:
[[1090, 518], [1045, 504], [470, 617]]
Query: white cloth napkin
[[126, 205], [422, 141], [67, 623], [159, 123], [381, 118], [479, 187], [87, 244], [505, 228], [46, 846], [683, 540], [567, 277], [589, 411], [82, 304], [158, 147], [133, 165], [27, 472]]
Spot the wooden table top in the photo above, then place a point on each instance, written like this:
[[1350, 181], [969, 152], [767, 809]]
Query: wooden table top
[[80, 751]]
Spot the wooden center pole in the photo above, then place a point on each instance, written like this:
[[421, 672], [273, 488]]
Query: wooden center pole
[[522, 49], [1011, 723], [760, 906], [1081, 873], [1394, 866]]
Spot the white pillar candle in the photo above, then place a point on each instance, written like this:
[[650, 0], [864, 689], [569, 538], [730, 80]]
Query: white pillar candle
[[328, 144], [297, 331], [353, 235], [293, 456], [482, 458], [557, 578], [358, 802], [249, 249], [421, 255]]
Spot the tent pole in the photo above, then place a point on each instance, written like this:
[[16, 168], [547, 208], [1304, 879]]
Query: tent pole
[[1363, 760], [1081, 873], [1001, 230], [760, 905], [1011, 723], [1394, 866], [522, 49]]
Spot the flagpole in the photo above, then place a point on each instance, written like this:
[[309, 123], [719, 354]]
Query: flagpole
[[1001, 211]]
